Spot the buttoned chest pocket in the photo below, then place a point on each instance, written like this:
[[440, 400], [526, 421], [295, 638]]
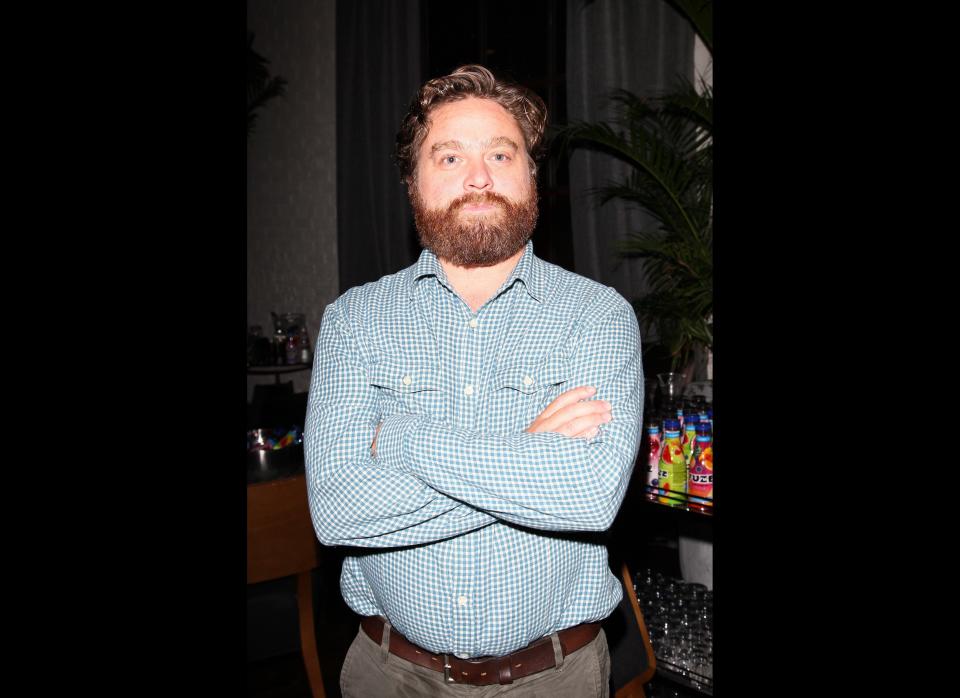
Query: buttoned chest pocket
[[407, 388], [524, 389]]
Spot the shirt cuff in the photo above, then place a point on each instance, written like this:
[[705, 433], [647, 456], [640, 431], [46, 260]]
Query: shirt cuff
[[391, 439]]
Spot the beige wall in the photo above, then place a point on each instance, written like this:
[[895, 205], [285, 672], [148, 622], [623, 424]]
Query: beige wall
[[702, 62], [291, 171]]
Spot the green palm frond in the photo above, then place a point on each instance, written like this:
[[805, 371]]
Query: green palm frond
[[694, 103], [667, 142]]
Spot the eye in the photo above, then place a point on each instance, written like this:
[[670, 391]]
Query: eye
[[501, 157], [449, 160]]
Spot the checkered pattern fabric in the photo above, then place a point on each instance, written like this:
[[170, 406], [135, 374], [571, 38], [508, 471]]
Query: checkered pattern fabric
[[475, 535]]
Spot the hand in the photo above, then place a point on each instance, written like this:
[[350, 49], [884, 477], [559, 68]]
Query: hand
[[573, 414], [373, 446]]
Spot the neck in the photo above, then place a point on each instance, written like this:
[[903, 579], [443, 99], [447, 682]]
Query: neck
[[477, 284]]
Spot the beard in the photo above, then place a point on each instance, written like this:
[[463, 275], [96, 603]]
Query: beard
[[475, 240]]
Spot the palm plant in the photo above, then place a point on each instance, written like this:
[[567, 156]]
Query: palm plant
[[668, 143], [260, 86]]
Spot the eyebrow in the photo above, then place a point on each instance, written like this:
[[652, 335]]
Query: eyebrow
[[489, 143]]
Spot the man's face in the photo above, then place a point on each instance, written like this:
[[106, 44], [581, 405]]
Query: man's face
[[473, 195]]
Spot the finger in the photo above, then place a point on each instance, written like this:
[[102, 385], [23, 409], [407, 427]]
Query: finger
[[571, 412], [588, 434], [581, 424], [557, 408], [566, 398]]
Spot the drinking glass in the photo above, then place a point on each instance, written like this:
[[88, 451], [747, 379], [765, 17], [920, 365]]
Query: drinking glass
[[669, 386]]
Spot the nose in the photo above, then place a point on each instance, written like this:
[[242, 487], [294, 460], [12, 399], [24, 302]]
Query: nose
[[478, 177]]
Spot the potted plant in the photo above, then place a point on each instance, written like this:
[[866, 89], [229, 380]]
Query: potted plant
[[668, 143]]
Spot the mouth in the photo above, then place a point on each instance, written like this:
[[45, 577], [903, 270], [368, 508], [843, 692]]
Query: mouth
[[477, 208]]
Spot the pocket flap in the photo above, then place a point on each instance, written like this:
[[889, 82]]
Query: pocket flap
[[403, 377], [530, 376]]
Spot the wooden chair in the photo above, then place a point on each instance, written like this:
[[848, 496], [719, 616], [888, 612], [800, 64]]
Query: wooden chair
[[280, 543], [634, 689]]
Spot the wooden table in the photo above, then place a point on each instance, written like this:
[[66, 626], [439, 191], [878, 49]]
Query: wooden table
[[281, 541]]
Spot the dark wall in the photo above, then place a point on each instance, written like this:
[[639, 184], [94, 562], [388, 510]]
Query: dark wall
[[291, 171]]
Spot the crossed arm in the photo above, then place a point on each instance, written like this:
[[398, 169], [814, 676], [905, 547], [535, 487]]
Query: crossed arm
[[569, 415], [406, 480]]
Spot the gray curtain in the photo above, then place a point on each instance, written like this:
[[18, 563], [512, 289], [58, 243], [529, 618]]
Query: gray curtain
[[638, 45], [378, 72]]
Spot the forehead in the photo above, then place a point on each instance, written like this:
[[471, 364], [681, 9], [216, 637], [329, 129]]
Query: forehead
[[471, 121]]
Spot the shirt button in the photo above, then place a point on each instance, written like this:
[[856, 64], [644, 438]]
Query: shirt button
[[468, 390], [527, 380], [473, 322], [407, 380], [463, 600]]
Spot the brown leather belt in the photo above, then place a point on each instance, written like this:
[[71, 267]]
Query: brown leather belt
[[533, 658]]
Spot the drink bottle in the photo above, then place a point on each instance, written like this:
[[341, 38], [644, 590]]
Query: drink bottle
[[672, 472], [700, 477]]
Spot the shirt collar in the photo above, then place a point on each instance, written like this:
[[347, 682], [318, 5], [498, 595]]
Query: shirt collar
[[427, 265], [530, 270]]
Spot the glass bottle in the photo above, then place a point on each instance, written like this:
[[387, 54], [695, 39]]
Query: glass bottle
[[294, 327], [690, 421], [304, 345], [700, 479], [653, 455], [672, 474], [702, 411], [293, 347], [279, 346]]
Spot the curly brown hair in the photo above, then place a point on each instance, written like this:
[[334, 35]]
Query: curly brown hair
[[469, 81]]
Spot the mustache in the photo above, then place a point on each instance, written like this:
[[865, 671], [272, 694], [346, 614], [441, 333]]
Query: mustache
[[486, 197]]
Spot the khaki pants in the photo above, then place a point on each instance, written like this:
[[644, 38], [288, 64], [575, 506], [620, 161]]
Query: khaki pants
[[370, 673]]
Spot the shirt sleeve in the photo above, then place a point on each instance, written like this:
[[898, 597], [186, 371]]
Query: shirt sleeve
[[354, 499], [544, 480]]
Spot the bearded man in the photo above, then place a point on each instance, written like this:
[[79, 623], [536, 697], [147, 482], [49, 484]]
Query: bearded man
[[472, 425]]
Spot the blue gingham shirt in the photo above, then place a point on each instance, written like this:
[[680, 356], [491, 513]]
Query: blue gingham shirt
[[468, 521]]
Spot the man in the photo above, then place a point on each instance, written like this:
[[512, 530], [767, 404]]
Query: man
[[472, 424]]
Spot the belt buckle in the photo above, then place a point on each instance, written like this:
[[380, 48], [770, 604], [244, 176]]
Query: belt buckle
[[447, 678]]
